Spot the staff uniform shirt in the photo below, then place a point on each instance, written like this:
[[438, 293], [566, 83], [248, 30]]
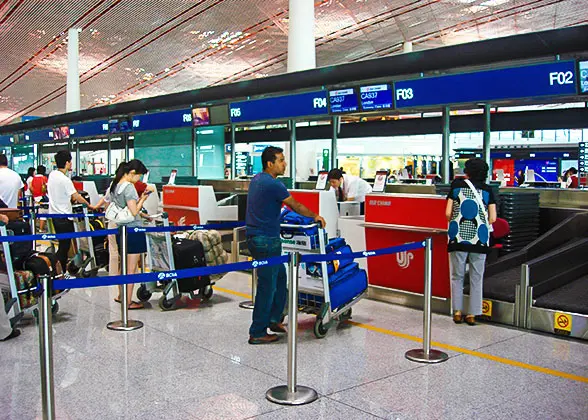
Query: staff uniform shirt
[[59, 191], [468, 227], [10, 185], [264, 205], [355, 187]]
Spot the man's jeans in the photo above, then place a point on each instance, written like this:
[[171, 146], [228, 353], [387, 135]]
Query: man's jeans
[[271, 295]]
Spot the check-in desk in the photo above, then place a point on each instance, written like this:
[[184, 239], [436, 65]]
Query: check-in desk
[[196, 203], [395, 219], [323, 203]]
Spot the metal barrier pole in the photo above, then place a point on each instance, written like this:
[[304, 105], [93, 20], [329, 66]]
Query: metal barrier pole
[[292, 394], [125, 324], [426, 354], [46, 349], [249, 304], [33, 223]]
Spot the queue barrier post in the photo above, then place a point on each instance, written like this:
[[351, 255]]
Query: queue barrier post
[[125, 324], [247, 304], [46, 348], [426, 354], [292, 394]]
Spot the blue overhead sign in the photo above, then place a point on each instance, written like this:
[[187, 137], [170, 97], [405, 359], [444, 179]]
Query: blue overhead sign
[[6, 140], [163, 120], [89, 129], [538, 80], [281, 107], [39, 136]]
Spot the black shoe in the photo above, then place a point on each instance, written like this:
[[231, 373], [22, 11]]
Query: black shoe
[[278, 328], [266, 339], [15, 333]]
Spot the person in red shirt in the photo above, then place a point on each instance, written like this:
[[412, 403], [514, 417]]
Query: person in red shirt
[[39, 190], [572, 181]]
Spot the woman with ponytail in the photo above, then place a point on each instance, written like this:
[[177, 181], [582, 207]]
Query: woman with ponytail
[[123, 193]]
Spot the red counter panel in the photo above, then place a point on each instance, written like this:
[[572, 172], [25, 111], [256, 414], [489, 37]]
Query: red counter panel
[[181, 201], [401, 217]]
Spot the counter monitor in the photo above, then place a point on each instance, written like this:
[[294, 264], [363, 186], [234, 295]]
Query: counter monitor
[[376, 97], [343, 100]]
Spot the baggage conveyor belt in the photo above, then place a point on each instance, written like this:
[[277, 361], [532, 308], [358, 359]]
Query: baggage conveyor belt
[[573, 297]]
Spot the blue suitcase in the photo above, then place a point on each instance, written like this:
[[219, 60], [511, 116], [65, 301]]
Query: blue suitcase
[[315, 269], [346, 284]]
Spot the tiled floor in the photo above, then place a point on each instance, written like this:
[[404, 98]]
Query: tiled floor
[[196, 364]]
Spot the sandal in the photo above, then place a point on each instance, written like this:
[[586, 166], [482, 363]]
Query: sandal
[[457, 317], [117, 300], [135, 305], [470, 319]]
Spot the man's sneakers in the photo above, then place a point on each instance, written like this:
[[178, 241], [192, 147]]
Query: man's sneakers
[[278, 328], [15, 333], [266, 339]]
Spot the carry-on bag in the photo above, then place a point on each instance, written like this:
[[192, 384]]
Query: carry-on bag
[[315, 269], [189, 254], [346, 284], [19, 250]]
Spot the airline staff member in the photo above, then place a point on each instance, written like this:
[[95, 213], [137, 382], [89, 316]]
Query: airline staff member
[[349, 187]]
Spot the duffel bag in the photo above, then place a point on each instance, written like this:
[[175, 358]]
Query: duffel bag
[[315, 269], [289, 217], [346, 284]]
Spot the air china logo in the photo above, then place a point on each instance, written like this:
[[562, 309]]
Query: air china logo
[[380, 203], [369, 253], [404, 258], [261, 263], [165, 276]]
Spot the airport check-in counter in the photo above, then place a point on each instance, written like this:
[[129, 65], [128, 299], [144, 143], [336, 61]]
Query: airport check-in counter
[[320, 202], [196, 203], [395, 219]]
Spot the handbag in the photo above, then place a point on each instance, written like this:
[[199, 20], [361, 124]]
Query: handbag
[[119, 215], [480, 203]]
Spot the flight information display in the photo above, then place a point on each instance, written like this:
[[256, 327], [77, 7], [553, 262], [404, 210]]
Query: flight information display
[[583, 76], [343, 100], [537, 80], [583, 158], [376, 97]]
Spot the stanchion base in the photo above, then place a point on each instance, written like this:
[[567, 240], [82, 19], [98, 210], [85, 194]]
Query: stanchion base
[[418, 355], [280, 395], [118, 325], [246, 304]]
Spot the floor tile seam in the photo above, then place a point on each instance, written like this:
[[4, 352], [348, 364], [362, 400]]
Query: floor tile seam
[[355, 408], [500, 342], [186, 341], [264, 413]]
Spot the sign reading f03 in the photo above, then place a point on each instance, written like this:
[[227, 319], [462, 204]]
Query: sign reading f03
[[551, 79]]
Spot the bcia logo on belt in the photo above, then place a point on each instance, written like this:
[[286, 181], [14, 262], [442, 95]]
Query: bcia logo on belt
[[256, 264], [165, 276], [136, 230], [47, 236]]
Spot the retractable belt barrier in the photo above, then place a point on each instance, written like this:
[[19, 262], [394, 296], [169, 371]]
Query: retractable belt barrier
[[69, 216], [160, 229], [58, 236]]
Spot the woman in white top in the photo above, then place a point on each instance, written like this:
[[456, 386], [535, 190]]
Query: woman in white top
[[30, 176], [348, 187]]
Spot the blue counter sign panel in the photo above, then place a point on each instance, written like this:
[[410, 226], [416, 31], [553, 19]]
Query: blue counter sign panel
[[281, 107], [162, 120], [376, 97], [511, 83], [583, 68], [343, 100]]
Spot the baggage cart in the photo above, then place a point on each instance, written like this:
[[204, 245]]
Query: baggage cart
[[315, 292]]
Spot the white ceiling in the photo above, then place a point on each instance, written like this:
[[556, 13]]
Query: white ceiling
[[131, 49]]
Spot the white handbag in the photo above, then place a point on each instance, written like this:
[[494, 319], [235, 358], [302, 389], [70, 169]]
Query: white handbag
[[480, 203], [118, 215]]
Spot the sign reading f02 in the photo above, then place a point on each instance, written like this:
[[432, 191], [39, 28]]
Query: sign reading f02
[[549, 79]]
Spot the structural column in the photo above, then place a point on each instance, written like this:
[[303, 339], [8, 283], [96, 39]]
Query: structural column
[[301, 43], [73, 71], [335, 121], [446, 147], [486, 140], [292, 125]]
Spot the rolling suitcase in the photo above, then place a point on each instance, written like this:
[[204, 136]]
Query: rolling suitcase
[[19, 250], [189, 254]]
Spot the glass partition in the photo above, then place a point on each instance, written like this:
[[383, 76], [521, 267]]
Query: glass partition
[[210, 157], [24, 157]]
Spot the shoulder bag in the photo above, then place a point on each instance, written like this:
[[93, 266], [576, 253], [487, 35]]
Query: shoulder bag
[[480, 203], [118, 215]]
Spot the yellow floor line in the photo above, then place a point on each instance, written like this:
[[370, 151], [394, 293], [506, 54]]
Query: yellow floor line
[[457, 349]]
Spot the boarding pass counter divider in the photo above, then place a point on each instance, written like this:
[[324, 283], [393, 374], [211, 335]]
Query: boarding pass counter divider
[[196, 203], [394, 219]]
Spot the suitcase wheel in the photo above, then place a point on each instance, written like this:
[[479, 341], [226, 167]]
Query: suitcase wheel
[[166, 305], [143, 294], [55, 308], [206, 292], [321, 329]]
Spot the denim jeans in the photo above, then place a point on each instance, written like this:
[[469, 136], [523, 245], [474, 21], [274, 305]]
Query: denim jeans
[[272, 293]]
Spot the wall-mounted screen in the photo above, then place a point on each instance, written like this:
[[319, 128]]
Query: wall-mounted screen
[[116, 126], [200, 116], [544, 170], [376, 97], [219, 115], [583, 76], [61, 133], [343, 100]]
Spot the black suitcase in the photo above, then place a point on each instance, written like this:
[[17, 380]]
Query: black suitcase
[[20, 250], [189, 254], [41, 263]]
